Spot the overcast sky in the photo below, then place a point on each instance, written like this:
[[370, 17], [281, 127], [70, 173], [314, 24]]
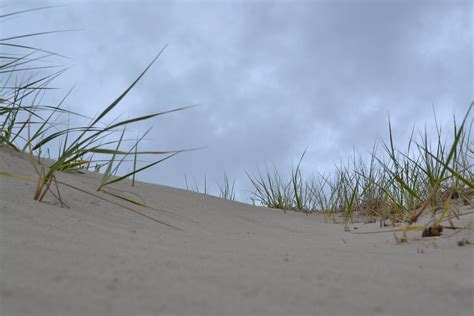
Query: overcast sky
[[271, 77]]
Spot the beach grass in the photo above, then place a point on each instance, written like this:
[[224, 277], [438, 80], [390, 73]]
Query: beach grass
[[28, 126], [396, 185], [227, 188]]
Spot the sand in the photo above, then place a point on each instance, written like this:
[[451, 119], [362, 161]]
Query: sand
[[228, 258]]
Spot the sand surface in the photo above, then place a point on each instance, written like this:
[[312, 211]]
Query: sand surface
[[229, 258]]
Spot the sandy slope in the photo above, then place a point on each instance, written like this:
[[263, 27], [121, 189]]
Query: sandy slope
[[95, 258]]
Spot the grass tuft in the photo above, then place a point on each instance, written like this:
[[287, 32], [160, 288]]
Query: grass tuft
[[395, 185], [28, 126]]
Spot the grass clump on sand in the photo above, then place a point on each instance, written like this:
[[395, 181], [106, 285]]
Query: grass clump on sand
[[28, 126], [396, 185], [227, 188], [271, 190]]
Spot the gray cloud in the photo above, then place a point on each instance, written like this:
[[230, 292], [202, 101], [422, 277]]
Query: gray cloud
[[272, 77]]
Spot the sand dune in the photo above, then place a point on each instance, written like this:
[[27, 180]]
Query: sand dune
[[227, 258]]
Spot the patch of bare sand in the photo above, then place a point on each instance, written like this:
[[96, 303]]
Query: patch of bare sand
[[229, 258]]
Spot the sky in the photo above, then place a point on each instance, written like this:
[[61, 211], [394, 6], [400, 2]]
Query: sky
[[271, 77]]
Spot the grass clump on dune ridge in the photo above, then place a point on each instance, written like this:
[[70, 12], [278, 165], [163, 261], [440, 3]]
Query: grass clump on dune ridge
[[28, 126], [397, 185], [271, 190], [227, 188]]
